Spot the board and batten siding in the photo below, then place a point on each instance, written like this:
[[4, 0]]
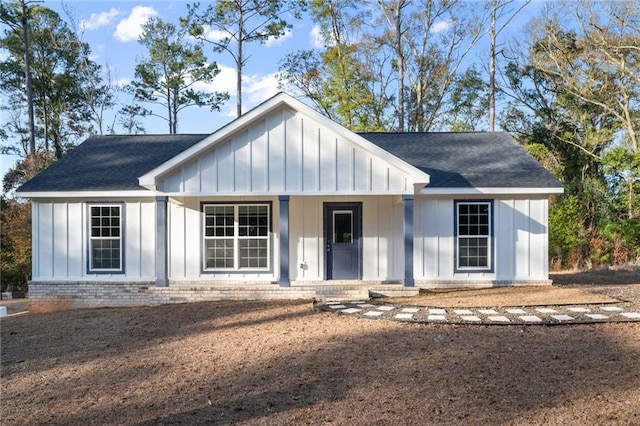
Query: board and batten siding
[[185, 241], [286, 152], [520, 228], [382, 244], [60, 241]]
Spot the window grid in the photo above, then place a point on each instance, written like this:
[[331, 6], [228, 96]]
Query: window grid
[[236, 236], [473, 235], [105, 242]]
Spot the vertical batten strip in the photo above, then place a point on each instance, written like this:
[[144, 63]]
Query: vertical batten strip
[[335, 159], [353, 169], [267, 142], [251, 165], [319, 161], [386, 178], [370, 174], [301, 154], [284, 150]]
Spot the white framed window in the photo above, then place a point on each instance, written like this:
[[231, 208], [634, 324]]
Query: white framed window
[[105, 238], [474, 236], [236, 236]]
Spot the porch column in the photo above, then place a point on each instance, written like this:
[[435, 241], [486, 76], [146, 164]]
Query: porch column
[[407, 201], [161, 241], [284, 240]]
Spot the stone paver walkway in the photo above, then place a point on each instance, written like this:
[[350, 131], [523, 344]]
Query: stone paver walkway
[[566, 314]]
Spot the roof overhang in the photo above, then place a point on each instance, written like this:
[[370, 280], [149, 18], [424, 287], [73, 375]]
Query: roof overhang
[[490, 191], [86, 194], [149, 179]]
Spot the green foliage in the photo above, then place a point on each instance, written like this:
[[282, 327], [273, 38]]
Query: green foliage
[[15, 244], [340, 79], [241, 22], [62, 75], [468, 102], [567, 236]]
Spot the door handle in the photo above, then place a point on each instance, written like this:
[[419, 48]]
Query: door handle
[[328, 247]]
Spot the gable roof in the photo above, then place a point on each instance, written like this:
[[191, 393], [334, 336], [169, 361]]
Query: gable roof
[[108, 163], [461, 161], [279, 100], [468, 159]]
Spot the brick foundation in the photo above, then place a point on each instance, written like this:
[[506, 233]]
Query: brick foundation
[[52, 295]]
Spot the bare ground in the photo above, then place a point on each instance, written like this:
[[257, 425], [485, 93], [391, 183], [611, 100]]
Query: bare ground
[[266, 363]]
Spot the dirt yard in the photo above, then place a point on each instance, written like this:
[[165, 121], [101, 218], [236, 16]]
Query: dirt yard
[[268, 363]]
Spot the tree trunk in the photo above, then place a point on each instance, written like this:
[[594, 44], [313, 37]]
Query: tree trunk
[[175, 111], [239, 66], [492, 68], [170, 110], [28, 83], [400, 58]]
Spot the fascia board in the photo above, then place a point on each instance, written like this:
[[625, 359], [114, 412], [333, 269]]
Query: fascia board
[[488, 191], [85, 194]]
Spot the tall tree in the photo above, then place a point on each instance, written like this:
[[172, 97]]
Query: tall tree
[[443, 33], [467, 102], [425, 43], [502, 13], [598, 61], [57, 61], [576, 107], [16, 17], [393, 12], [237, 22], [340, 78], [172, 72]]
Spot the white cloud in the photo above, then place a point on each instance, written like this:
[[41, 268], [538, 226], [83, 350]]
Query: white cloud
[[4, 54], [258, 87], [213, 34], [316, 37], [97, 20], [130, 28], [121, 82], [225, 81], [255, 88], [278, 41], [440, 26]]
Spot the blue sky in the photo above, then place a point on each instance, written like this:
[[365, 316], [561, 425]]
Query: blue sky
[[111, 28]]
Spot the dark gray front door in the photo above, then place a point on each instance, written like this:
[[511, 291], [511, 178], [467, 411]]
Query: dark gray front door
[[343, 244]]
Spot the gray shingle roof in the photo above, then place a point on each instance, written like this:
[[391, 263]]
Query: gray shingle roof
[[453, 160], [107, 163], [467, 160]]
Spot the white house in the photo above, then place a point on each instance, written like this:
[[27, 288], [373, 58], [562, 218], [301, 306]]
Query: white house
[[283, 202]]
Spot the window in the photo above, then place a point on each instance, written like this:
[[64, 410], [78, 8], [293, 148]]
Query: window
[[105, 238], [473, 235], [236, 236], [342, 227]]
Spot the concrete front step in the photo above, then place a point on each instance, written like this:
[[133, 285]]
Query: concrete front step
[[341, 293]]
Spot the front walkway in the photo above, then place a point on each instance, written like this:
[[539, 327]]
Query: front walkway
[[548, 315]]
